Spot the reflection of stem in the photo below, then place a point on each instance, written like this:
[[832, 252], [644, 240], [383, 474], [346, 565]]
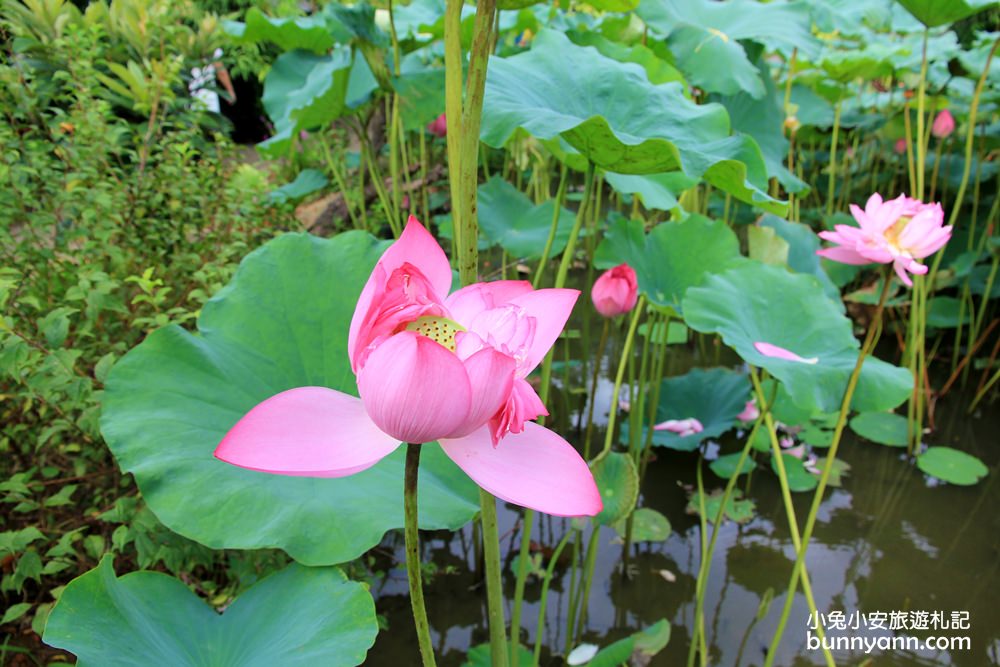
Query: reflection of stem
[[593, 389], [793, 524], [699, 646], [412, 540], [845, 408], [626, 353], [544, 599]]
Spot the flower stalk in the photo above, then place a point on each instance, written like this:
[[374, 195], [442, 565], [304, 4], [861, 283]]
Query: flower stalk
[[412, 540]]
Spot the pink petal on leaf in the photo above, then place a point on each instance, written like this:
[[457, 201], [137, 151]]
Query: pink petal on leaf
[[414, 388], [535, 469], [769, 350], [308, 431]]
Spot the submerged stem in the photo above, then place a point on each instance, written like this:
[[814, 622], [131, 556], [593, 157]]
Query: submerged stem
[[412, 540]]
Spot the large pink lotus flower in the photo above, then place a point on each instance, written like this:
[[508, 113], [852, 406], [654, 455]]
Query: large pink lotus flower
[[900, 231], [432, 368], [944, 124], [616, 291]]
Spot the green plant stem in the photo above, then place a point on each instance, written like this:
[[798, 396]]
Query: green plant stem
[[793, 524], [619, 376], [593, 388], [698, 644], [921, 120], [338, 176], [845, 407], [589, 564], [556, 210], [832, 164], [524, 555], [494, 590], [544, 599], [412, 539], [567, 256], [453, 112]]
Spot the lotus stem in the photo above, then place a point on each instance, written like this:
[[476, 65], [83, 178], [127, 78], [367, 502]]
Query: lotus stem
[[589, 564], [544, 599], [619, 376], [845, 407], [412, 540], [557, 209], [832, 164], [921, 108], [494, 589], [793, 524], [522, 573]]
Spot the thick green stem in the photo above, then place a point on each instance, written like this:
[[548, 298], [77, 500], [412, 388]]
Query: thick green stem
[[494, 589], [412, 540], [619, 376], [522, 573]]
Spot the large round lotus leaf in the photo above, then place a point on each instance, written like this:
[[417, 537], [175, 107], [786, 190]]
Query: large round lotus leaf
[[281, 323], [885, 428], [657, 69], [933, 13], [612, 114], [672, 257], [618, 481], [299, 616], [713, 396], [507, 217], [756, 303], [952, 466]]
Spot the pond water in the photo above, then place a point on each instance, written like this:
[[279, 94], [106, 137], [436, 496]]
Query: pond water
[[890, 539]]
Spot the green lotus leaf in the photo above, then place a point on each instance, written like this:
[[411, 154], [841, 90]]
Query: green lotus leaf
[[784, 26], [756, 303], [802, 258], [799, 479], [648, 525], [510, 219], [933, 13], [613, 115], [307, 182], [725, 465], [946, 312], [868, 62], [316, 33], [656, 191], [657, 69], [638, 648], [296, 617], [885, 428], [713, 396], [282, 322], [672, 257], [618, 481], [952, 465], [737, 509], [303, 91], [421, 94]]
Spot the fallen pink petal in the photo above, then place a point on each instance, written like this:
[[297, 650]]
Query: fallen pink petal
[[682, 427], [776, 352]]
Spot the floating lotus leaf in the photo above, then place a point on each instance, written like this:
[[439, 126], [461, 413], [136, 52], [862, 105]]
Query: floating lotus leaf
[[725, 465], [799, 479], [755, 303], [296, 617], [509, 218], [648, 525], [933, 13], [618, 481], [613, 115], [672, 257], [952, 466], [713, 396], [885, 428], [282, 322]]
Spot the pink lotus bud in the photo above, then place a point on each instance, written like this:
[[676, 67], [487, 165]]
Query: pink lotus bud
[[750, 411], [438, 127], [615, 291], [900, 146], [943, 125]]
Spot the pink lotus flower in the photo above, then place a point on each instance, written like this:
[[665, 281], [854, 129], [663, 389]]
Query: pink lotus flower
[[900, 231], [438, 127], [432, 368], [682, 427], [900, 146], [944, 124], [616, 291], [750, 411]]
